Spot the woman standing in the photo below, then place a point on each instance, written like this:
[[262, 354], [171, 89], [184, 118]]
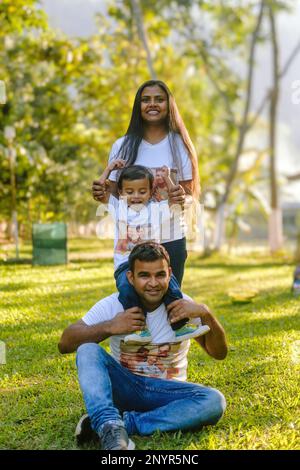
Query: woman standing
[[157, 137]]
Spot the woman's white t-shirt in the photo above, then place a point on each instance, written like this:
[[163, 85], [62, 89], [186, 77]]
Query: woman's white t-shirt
[[155, 156]]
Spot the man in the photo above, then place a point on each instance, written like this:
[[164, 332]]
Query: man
[[122, 402]]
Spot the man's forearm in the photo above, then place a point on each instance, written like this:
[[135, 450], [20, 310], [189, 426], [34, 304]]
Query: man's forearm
[[214, 342], [75, 335]]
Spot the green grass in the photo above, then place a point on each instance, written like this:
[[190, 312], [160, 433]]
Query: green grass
[[40, 397]]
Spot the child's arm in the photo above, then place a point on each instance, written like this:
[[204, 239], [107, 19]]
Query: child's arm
[[115, 165], [166, 174]]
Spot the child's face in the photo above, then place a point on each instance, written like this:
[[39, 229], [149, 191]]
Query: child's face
[[138, 192]]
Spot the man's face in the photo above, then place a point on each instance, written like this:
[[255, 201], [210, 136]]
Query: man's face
[[150, 280]]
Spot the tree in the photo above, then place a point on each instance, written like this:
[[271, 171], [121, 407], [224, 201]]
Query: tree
[[243, 128], [275, 219], [42, 71], [136, 9]]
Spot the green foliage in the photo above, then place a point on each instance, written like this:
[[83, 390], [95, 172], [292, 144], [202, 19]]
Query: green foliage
[[54, 164], [70, 99], [20, 15]]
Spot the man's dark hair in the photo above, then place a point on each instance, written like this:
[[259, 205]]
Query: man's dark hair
[[135, 172], [148, 251]]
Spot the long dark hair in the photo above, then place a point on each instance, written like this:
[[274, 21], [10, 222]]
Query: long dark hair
[[174, 126]]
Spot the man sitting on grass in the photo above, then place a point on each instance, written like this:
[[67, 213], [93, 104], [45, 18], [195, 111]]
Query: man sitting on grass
[[126, 399]]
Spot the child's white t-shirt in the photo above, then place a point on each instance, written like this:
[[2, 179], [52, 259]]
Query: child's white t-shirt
[[162, 358], [155, 156], [133, 227]]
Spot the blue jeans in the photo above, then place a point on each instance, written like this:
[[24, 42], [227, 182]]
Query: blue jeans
[[129, 298], [178, 255], [144, 404]]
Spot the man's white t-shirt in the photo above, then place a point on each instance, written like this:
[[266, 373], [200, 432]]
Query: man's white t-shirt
[[133, 227], [163, 358], [155, 156]]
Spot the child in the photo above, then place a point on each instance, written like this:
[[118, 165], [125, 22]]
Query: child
[[138, 219]]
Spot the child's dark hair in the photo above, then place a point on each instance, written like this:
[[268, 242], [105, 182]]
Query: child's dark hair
[[148, 251], [135, 172]]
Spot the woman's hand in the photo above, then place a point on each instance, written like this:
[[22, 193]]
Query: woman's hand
[[177, 195], [99, 190]]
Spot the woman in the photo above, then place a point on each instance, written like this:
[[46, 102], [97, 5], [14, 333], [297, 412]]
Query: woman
[[157, 137]]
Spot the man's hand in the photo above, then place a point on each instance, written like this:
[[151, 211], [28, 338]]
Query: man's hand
[[177, 195], [183, 308], [213, 342], [128, 321]]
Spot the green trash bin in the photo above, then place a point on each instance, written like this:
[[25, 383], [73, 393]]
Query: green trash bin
[[49, 244]]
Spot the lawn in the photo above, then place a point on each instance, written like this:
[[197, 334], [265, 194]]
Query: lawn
[[40, 397]]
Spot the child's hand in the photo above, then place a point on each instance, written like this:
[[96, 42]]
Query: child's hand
[[165, 172], [116, 165], [103, 181]]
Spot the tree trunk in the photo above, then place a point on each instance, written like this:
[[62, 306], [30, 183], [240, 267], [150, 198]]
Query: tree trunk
[[219, 227], [297, 252], [243, 129], [275, 219], [138, 16]]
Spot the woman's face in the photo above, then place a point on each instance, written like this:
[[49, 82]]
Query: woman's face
[[154, 104]]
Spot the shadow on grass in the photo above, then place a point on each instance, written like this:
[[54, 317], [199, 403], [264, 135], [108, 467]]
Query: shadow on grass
[[15, 286], [81, 260], [13, 261], [236, 267], [266, 326], [103, 286]]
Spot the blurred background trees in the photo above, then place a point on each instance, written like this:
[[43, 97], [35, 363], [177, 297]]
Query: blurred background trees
[[68, 99]]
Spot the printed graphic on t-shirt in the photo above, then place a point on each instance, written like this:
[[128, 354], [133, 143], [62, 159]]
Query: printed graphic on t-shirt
[[135, 234], [153, 360], [160, 189]]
